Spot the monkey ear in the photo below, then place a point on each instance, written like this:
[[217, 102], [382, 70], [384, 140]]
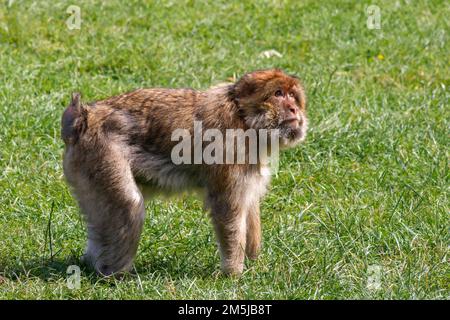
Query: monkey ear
[[244, 87], [72, 121], [76, 101]]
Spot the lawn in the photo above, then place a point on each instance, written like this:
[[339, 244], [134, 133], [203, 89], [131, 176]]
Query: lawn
[[360, 210]]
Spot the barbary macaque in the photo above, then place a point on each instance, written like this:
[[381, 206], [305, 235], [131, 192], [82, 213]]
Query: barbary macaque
[[119, 151]]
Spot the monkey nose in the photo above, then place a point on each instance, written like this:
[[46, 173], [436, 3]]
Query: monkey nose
[[292, 109]]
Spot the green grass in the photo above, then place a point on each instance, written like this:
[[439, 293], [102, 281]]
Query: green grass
[[369, 187]]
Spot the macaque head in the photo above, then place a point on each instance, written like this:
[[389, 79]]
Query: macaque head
[[271, 99]]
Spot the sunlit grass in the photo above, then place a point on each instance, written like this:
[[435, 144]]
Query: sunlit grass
[[368, 188]]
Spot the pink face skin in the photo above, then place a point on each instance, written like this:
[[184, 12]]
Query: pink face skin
[[292, 120], [289, 106]]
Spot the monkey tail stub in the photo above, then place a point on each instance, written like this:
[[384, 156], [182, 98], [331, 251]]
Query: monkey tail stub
[[73, 122]]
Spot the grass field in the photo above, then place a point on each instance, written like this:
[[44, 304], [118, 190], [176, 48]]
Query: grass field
[[360, 210]]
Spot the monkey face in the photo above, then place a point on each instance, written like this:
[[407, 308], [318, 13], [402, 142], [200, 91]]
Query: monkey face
[[271, 99]]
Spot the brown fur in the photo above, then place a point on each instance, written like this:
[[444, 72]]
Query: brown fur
[[118, 151]]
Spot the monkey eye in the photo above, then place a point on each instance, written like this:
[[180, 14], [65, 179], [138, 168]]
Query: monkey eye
[[278, 93], [291, 94]]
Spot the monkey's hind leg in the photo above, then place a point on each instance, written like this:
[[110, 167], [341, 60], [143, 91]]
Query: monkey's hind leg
[[114, 211]]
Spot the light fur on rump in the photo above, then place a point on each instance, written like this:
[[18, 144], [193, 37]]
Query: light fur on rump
[[118, 151]]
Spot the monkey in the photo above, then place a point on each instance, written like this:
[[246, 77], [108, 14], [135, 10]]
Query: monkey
[[118, 155]]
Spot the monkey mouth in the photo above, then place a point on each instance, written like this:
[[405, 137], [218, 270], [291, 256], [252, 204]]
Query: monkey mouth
[[290, 120], [292, 123]]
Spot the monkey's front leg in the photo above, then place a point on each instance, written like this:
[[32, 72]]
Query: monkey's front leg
[[230, 223], [253, 245]]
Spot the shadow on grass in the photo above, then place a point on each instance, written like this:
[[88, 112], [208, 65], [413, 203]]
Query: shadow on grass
[[55, 269], [44, 269]]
